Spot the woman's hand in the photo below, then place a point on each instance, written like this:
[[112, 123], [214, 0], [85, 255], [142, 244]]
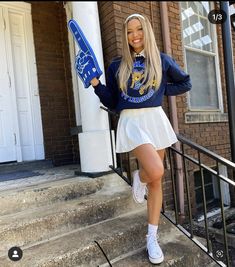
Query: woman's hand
[[94, 82]]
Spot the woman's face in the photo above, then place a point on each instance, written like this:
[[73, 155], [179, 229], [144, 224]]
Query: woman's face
[[135, 35]]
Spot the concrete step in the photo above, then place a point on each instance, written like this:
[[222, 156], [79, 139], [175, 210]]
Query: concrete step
[[36, 195], [49, 192], [43, 222]]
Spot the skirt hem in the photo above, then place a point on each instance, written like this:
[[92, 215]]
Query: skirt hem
[[145, 143]]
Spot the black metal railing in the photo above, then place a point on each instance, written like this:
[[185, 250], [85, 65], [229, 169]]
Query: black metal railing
[[192, 155], [217, 243]]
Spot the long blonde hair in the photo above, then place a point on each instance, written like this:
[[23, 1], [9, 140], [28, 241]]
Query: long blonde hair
[[153, 67]]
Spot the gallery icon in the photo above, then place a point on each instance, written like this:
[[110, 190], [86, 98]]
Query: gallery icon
[[15, 253]]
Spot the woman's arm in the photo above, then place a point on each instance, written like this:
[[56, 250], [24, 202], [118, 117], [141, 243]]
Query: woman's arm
[[178, 82], [108, 94]]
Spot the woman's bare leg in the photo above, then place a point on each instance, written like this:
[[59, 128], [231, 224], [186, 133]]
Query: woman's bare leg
[[151, 172]]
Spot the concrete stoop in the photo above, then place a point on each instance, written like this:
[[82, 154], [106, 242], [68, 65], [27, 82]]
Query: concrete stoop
[[65, 222]]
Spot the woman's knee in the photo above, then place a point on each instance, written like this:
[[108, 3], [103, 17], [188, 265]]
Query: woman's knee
[[156, 183], [157, 174], [150, 162], [150, 176]]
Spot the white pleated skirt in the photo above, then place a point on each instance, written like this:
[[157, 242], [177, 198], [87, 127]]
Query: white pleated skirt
[[144, 126]]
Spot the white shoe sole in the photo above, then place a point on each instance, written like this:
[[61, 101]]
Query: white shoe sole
[[156, 261]]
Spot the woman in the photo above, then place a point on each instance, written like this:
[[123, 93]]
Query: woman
[[136, 84]]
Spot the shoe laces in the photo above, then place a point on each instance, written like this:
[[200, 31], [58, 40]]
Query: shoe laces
[[153, 238]]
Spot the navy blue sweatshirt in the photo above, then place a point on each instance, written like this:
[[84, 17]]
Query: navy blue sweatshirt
[[174, 82]]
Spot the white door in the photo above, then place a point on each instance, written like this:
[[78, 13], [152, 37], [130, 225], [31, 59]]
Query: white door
[[23, 105], [7, 133]]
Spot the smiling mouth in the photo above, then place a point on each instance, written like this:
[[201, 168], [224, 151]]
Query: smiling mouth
[[136, 41]]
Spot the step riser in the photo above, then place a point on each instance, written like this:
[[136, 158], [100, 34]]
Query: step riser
[[35, 198], [63, 222]]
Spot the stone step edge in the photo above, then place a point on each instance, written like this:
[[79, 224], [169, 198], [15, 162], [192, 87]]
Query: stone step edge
[[43, 184], [60, 182], [66, 189]]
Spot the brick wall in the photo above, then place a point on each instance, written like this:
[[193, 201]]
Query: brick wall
[[55, 84]]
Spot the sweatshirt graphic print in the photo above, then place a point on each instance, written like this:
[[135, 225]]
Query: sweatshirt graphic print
[[136, 92]]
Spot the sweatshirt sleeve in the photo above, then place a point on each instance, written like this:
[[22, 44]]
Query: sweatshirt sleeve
[[178, 82], [108, 94]]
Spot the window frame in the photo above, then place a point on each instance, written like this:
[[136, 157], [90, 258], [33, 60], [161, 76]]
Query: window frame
[[215, 54]]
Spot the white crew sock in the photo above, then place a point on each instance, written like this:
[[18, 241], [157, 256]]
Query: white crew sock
[[152, 229]]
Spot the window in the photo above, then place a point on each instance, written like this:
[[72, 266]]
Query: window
[[199, 38], [210, 184]]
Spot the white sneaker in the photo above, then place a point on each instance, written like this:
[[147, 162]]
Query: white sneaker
[[154, 251], [138, 188]]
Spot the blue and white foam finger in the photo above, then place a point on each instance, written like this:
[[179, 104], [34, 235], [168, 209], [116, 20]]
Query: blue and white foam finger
[[86, 64]]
